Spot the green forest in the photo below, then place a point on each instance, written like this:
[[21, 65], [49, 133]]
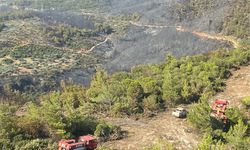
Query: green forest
[[145, 89]]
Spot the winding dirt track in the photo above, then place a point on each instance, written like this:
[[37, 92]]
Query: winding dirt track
[[229, 39], [103, 42]]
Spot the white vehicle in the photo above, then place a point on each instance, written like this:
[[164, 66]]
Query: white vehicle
[[180, 113]]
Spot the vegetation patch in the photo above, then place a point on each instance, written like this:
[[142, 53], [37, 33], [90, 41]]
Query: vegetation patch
[[246, 101], [36, 51], [20, 14], [67, 115], [66, 36]]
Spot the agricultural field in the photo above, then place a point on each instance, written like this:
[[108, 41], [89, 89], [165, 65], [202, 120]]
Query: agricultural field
[[34, 45]]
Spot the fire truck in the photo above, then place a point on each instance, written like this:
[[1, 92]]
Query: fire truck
[[87, 142]]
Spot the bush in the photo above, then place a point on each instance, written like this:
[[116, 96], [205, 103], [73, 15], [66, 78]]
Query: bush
[[237, 136], [135, 92], [152, 104], [234, 115], [103, 131], [82, 125], [108, 132], [37, 144], [116, 132], [7, 61], [33, 128], [246, 101], [208, 143], [199, 115]]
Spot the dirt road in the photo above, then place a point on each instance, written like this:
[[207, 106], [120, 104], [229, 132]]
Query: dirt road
[[145, 132], [218, 37], [103, 42]]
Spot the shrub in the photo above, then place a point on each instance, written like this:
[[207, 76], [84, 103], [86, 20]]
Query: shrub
[[135, 92], [208, 143], [116, 132], [246, 101], [33, 128], [7, 61], [36, 144], [121, 108], [103, 131], [236, 136], [153, 103], [234, 115], [107, 131], [199, 115]]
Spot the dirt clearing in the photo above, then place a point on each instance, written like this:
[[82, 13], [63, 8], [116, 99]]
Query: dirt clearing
[[145, 132]]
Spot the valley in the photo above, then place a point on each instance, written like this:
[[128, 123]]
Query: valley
[[151, 43]]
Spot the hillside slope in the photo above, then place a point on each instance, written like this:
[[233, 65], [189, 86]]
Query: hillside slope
[[146, 132], [237, 87]]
